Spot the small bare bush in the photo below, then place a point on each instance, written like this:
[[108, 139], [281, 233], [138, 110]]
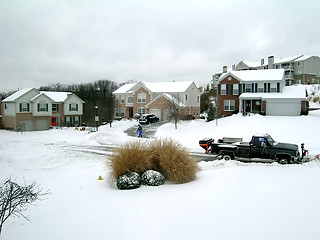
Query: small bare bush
[[174, 161], [130, 157]]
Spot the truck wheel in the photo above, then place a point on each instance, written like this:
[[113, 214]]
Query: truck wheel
[[283, 161], [226, 157]]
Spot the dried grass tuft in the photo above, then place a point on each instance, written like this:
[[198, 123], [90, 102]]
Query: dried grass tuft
[[174, 161], [130, 157], [164, 155]]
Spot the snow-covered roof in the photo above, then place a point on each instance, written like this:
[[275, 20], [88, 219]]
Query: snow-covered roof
[[288, 92], [286, 59], [156, 87], [16, 95], [57, 96], [174, 100], [125, 88], [256, 75]]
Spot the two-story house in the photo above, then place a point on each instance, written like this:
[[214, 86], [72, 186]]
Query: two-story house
[[300, 69], [158, 98], [260, 91], [30, 109]]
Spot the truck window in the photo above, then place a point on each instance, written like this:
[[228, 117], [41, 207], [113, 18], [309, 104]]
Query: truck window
[[258, 141]]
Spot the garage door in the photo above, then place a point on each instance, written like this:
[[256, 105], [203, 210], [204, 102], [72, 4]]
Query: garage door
[[42, 124], [156, 112], [26, 125], [281, 108]]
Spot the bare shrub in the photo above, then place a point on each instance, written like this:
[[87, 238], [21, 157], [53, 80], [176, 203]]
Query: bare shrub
[[174, 161], [130, 157]]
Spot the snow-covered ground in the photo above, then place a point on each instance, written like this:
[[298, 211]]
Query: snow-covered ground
[[228, 200]]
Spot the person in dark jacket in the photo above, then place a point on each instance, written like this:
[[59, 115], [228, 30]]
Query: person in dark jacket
[[139, 130]]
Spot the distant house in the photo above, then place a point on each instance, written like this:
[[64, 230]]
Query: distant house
[[158, 98], [260, 91], [298, 69], [30, 109]]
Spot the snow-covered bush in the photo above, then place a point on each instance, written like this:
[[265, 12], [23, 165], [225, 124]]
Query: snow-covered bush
[[152, 178], [129, 180]]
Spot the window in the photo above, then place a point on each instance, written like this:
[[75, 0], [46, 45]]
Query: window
[[235, 89], [260, 87], [24, 107], [122, 99], [73, 107], [55, 107], [299, 64], [117, 112], [229, 105], [123, 110], [5, 106], [223, 89], [248, 87], [186, 97], [142, 98], [198, 98], [76, 120], [130, 99], [141, 110], [117, 99], [68, 121], [273, 87], [42, 107]]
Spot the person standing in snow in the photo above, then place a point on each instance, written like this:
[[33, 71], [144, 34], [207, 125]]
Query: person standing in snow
[[139, 130]]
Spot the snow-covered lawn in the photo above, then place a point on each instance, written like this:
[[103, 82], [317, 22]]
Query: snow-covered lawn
[[228, 200]]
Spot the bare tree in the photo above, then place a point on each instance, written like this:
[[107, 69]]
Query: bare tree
[[15, 199], [174, 110]]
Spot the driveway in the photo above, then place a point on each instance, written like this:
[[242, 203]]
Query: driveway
[[148, 130]]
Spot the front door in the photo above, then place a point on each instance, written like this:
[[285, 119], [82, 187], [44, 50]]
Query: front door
[[54, 121], [130, 112], [248, 106]]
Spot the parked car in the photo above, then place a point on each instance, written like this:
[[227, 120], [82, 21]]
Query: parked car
[[148, 118]]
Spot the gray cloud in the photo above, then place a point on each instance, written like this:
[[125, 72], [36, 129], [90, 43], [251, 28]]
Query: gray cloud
[[68, 41]]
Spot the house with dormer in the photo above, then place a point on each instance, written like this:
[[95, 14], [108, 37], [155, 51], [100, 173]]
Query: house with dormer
[[30, 109], [260, 91], [158, 98]]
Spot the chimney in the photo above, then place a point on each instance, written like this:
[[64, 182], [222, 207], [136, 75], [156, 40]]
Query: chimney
[[225, 69], [270, 62], [262, 61]]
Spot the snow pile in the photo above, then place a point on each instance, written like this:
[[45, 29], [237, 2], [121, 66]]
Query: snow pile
[[228, 200]]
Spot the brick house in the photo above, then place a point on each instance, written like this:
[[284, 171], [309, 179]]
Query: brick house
[[260, 91], [30, 109], [158, 98]]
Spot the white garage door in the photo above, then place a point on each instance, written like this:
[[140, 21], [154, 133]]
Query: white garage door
[[281, 108], [26, 125], [42, 124], [156, 112]]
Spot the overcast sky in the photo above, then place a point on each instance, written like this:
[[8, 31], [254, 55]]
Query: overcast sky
[[45, 42]]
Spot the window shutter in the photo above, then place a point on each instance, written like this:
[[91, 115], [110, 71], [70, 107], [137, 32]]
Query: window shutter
[[28, 107], [76, 107], [231, 89], [69, 107], [268, 87], [240, 90], [256, 87], [265, 87], [47, 107], [227, 89], [252, 87], [244, 87], [219, 89], [278, 87], [38, 107], [20, 107]]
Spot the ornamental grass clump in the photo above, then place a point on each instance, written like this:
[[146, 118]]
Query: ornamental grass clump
[[166, 156], [174, 161], [130, 157]]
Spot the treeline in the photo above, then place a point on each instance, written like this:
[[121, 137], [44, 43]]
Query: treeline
[[94, 94]]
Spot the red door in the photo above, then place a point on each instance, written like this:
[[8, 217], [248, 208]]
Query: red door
[[54, 121]]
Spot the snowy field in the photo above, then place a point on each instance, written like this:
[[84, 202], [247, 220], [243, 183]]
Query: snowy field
[[228, 200]]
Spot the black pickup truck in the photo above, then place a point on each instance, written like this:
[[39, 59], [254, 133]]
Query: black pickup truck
[[260, 147]]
